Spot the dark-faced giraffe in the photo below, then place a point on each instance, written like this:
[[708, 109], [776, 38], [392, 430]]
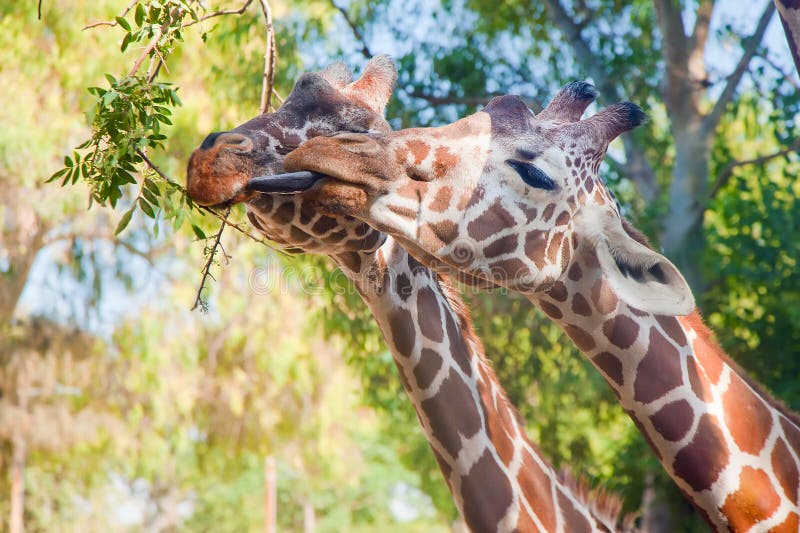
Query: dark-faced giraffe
[[499, 480], [516, 199]]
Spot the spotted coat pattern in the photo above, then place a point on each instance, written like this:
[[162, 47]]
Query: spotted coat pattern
[[499, 479], [517, 200]]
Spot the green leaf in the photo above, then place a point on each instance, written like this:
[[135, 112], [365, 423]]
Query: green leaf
[[124, 23], [126, 218], [138, 16], [199, 232], [146, 207], [57, 175]]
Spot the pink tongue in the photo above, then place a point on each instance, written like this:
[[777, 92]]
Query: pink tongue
[[285, 183]]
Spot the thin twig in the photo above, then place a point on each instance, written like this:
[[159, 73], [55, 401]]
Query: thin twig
[[110, 22], [727, 172], [220, 13], [198, 300], [39, 10], [364, 48], [788, 76], [269, 59], [147, 49]]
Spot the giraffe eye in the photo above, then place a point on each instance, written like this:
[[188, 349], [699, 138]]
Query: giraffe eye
[[532, 175]]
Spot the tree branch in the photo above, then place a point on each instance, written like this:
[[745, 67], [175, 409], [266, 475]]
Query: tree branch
[[198, 299], [788, 76], [110, 22], [697, 41], [365, 51], [269, 59], [749, 49], [727, 172], [220, 13]]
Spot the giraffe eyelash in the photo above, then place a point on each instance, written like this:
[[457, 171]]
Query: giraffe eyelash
[[532, 175]]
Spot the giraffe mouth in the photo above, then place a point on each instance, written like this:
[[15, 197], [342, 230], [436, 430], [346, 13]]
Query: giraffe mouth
[[285, 183]]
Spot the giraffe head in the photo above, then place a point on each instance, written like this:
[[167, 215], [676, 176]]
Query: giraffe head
[[502, 195], [321, 103]]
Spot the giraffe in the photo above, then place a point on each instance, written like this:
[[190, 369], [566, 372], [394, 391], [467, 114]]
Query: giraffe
[[499, 480], [516, 199]]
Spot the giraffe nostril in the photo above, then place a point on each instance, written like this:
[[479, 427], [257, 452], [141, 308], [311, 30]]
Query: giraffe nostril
[[234, 141]]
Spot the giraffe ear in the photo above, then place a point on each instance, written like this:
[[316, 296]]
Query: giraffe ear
[[376, 83], [640, 276]]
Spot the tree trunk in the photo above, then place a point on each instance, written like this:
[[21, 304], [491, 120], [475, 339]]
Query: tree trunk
[[17, 474], [656, 512], [683, 239], [789, 11], [309, 518], [270, 496]]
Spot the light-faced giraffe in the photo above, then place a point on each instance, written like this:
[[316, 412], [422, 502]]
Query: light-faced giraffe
[[499, 480], [517, 200]]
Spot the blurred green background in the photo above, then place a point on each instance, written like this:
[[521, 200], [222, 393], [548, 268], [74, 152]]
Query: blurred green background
[[122, 410]]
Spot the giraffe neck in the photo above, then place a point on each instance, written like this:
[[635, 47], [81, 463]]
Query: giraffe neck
[[499, 480], [726, 444]]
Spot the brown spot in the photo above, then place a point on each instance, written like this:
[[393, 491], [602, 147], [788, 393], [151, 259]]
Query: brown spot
[[307, 213], [404, 379], [575, 273], [708, 354], [335, 237], [444, 467], [566, 251], [558, 292], [458, 347], [503, 245], [401, 326], [534, 482], [673, 420], [755, 500], [468, 200], [529, 211], [452, 413], [790, 525], [621, 331], [700, 387], [444, 230], [700, 462], [443, 161], [610, 365], [535, 246], [411, 189], [580, 306], [550, 310], [298, 236], [673, 328], [573, 520], [402, 211], [429, 315], [323, 225], [547, 214], [494, 427], [285, 213], [404, 288], [785, 469], [637, 312], [659, 371], [487, 494], [524, 522], [509, 270], [429, 364], [603, 297], [441, 201], [253, 218], [350, 260], [581, 337], [494, 219], [562, 218], [419, 150], [792, 435], [553, 248], [746, 415]]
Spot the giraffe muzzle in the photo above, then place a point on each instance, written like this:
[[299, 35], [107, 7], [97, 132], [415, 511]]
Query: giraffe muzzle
[[287, 183]]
